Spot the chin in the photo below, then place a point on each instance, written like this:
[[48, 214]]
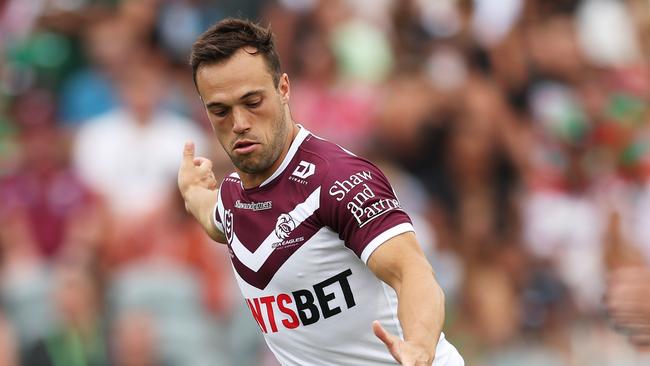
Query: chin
[[250, 168], [254, 164]]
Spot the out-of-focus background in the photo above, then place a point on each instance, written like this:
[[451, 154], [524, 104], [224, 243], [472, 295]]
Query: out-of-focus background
[[515, 132]]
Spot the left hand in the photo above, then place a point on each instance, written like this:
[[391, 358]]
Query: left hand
[[194, 172], [404, 352]]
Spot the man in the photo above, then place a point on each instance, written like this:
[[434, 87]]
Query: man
[[321, 249]]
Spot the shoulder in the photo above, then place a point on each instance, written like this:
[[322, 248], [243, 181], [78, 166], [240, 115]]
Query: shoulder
[[342, 171], [336, 161]]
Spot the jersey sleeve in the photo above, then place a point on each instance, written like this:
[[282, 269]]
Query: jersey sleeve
[[358, 202]]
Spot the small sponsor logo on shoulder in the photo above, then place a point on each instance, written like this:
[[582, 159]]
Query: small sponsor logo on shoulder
[[297, 180], [304, 170], [254, 206]]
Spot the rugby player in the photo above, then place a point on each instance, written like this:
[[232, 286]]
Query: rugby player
[[324, 255]]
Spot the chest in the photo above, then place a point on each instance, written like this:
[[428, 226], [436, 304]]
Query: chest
[[277, 219]]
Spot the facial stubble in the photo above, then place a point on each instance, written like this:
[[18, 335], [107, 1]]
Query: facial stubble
[[251, 165]]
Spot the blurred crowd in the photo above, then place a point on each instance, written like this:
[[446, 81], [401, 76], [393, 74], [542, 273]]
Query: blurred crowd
[[515, 132]]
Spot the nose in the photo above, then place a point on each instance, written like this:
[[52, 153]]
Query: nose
[[239, 123]]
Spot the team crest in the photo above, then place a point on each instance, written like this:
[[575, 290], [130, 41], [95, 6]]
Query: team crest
[[228, 225], [284, 226]]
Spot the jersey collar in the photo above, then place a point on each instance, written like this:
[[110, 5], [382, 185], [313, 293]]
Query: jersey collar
[[300, 137]]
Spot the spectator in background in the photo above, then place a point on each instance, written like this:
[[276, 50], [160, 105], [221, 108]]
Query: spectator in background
[[142, 16], [124, 154], [134, 341], [44, 186], [46, 214], [328, 101], [49, 193], [112, 46], [167, 275], [78, 339]]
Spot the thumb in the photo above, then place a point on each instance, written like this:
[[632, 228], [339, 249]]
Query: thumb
[[203, 163], [188, 152]]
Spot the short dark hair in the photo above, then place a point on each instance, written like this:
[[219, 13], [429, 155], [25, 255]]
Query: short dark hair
[[227, 36]]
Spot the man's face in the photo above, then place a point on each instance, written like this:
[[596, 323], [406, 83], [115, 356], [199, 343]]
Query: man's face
[[246, 109]]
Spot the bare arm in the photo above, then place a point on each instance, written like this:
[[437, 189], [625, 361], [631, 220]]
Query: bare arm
[[198, 187], [401, 264]]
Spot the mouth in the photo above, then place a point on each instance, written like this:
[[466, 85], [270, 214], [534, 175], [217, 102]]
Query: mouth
[[245, 146]]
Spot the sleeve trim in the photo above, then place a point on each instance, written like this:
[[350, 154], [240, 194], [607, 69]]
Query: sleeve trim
[[215, 212], [214, 218], [383, 237]]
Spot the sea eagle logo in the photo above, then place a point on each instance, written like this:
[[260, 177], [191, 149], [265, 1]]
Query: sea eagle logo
[[284, 226]]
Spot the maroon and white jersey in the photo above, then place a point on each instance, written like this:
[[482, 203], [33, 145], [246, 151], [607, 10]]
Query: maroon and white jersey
[[299, 244]]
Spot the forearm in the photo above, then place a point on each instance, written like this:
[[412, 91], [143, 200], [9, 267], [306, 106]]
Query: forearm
[[421, 308], [200, 203], [400, 263]]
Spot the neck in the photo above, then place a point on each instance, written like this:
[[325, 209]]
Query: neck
[[254, 180]]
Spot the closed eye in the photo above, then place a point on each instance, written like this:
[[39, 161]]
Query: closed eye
[[254, 104], [220, 112]]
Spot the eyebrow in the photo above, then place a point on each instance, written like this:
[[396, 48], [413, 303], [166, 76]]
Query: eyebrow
[[243, 97]]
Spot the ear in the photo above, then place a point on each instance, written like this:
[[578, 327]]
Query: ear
[[284, 88]]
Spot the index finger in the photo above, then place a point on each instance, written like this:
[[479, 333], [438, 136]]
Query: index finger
[[188, 152], [382, 334]]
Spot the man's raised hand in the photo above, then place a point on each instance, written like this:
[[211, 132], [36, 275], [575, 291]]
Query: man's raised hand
[[195, 172], [199, 190]]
